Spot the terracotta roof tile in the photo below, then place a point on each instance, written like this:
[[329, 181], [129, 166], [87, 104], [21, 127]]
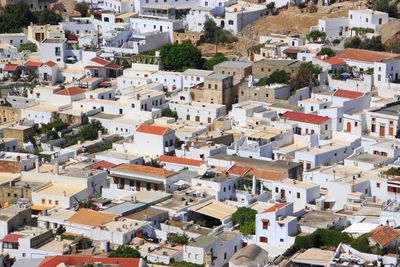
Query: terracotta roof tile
[[384, 235], [181, 161], [275, 207], [12, 238], [33, 64], [101, 165], [331, 60], [267, 175], [365, 55], [114, 66], [10, 67], [239, 170], [50, 63], [303, 117], [71, 91], [100, 61], [142, 169], [72, 260], [152, 129], [348, 94]]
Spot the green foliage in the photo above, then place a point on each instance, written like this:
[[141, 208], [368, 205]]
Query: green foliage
[[82, 8], [152, 163], [387, 6], [246, 218], [15, 17], [91, 131], [326, 51], [169, 113], [320, 238], [361, 243], [306, 76], [214, 34], [216, 59], [336, 42], [315, 36], [49, 17], [374, 43], [52, 128], [278, 76], [186, 264], [392, 171], [271, 5], [28, 46], [124, 252], [181, 239], [178, 57], [60, 230]]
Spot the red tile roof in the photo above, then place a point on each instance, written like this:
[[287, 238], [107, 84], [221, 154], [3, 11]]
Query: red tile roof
[[10, 67], [275, 207], [142, 169], [348, 94], [331, 60], [365, 55], [291, 51], [33, 64], [384, 235], [12, 238], [101, 165], [114, 66], [71, 91], [100, 61], [239, 170], [79, 261], [303, 117], [181, 161], [9, 166], [50, 63], [152, 129]]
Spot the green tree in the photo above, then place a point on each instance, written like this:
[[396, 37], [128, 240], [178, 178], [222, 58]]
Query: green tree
[[374, 43], [392, 171], [181, 239], [210, 29], [246, 218], [178, 57], [124, 252], [278, 76], [271, 5], [306, 76], [15, 17], [216, 59], [91, 131], [169, 113], [315, 36], [387, 6], [82, 8], [326, 51], [28, 46], [49, 17]]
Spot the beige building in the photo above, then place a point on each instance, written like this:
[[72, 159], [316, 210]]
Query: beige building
[[39, 33], [34, 5], [266, 67], [195, 38], [217, 89], [264, 93], [8, 114], [19, 132], [238, 69]]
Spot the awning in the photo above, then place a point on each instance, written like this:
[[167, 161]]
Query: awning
[[10, 67]]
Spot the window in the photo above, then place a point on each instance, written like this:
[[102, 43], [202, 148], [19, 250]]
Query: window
[[43, 201], [263, 239], [281, 240], [225, 256], [56, 202], [120, 111], [378, 185], [265, 225], [356, 124], [326, 126], [298, 195], [380, 21], [230, 22], [276, 189], [49, 201]]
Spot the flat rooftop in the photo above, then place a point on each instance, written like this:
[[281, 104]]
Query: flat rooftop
[[319, 219], [314, 257]]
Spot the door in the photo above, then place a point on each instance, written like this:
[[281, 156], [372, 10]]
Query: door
[[348, 127], [45, 76], [382, 131], [137, 185], [283, 194]]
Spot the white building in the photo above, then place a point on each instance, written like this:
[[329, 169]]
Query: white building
[[204, 113]]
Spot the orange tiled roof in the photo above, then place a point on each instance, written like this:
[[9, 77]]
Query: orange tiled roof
[[239, 170], [384, 235], [275, 207], [102, 164], [12, 238], [152, 129], [267, 175], [146, 170], [71, 91], [181, 161], [72, 260], [50, 63], [91, 217], [365, 55], [305, 117], [348, 94], [331, 60]]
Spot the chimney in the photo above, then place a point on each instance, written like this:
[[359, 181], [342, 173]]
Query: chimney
[[254, 186], [56, 168], [37, 164]]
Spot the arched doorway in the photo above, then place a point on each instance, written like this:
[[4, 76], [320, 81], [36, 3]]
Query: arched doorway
[[348, 127], [222, 23]]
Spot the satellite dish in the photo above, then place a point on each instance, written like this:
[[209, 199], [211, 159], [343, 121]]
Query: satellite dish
[[203, 169]]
